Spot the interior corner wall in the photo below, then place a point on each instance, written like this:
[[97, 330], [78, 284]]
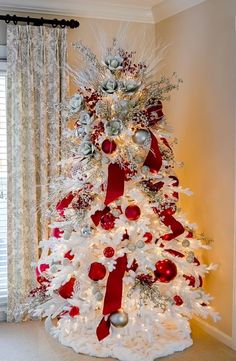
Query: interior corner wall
[[202, 51]]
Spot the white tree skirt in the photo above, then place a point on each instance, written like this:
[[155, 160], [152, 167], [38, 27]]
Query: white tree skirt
[[135, 342]]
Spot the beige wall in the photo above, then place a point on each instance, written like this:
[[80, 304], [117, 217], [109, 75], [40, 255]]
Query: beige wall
[[202, 51]]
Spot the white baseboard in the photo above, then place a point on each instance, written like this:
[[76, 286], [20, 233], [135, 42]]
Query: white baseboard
[[213, 331]]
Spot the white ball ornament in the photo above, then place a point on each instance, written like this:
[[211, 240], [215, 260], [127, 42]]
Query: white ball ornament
[[141, 137], [119, 318]]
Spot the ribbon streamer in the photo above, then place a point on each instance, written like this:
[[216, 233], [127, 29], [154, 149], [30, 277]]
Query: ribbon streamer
[[153, 160], [176, 227], [64, 203], [115, 183], [113, 296]]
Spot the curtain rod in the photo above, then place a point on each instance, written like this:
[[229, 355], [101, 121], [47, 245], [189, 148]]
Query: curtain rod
[[40, 21]]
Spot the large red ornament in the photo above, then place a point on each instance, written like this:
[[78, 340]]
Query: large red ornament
[[148, 237], [69, 255], [97, 271], [108, 221], [109, 252], [165, 271], [132, 212], [74, 311], [108, 146], [66, 290], [178, 300]]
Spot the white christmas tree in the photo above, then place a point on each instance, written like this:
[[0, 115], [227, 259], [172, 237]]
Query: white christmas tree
[[119, 273]]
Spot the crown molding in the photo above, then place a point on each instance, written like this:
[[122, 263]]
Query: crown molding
[[169, 8], [79, 9], [102, 9]]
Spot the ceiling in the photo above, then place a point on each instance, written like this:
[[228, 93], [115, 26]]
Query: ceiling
[[147, 11]]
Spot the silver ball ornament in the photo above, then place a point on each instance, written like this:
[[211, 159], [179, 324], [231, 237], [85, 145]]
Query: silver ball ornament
[[119, 318], [86, 231], [141, 137]]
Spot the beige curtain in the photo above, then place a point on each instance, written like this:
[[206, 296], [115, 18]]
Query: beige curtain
[[36, 82]]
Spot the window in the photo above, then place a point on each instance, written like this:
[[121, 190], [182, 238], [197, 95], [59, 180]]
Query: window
[[3, 192]]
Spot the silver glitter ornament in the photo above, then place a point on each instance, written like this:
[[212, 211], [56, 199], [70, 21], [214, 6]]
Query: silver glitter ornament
[[185, 243], [119, 319], [86, 231], [141, 137], [131, 247], [140, 244]]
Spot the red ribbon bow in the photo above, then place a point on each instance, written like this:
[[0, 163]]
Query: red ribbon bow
[[113, 296]]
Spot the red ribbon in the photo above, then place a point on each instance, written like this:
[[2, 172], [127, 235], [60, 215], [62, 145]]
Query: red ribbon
[[96, 217], [176, 227], [115, 183], [64, 203], [153, 160], [113, 296]]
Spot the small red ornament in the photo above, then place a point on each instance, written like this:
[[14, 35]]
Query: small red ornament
[[132, 212], [97, 271], [66, 290], [108, 221], [109, 252], [108, 146], [69, 255], [178, 300], [165, 271], [148, 237], [74, 311]]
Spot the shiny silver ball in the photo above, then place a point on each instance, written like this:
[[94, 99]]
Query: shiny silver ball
[[141, 137], [119, 319], [86, 231]]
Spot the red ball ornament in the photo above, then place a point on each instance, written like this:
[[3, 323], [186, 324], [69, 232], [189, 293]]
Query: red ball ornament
[[132, 212], [66, 290], [148, 237], [165, 271], [97, 271], [68, 255], [109, 252], [178, 300], [74, 311], [108, 146], [108, 221]]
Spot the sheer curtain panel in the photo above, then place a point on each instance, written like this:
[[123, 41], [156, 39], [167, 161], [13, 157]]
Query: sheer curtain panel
[[36, 82]]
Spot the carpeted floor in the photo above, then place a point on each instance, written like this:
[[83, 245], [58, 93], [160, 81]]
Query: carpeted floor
[[29, 342]]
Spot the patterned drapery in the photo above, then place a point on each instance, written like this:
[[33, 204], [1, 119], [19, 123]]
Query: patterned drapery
[[36, 82]]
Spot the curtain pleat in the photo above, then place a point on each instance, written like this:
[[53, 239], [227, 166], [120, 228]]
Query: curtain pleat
[[36, 83]]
